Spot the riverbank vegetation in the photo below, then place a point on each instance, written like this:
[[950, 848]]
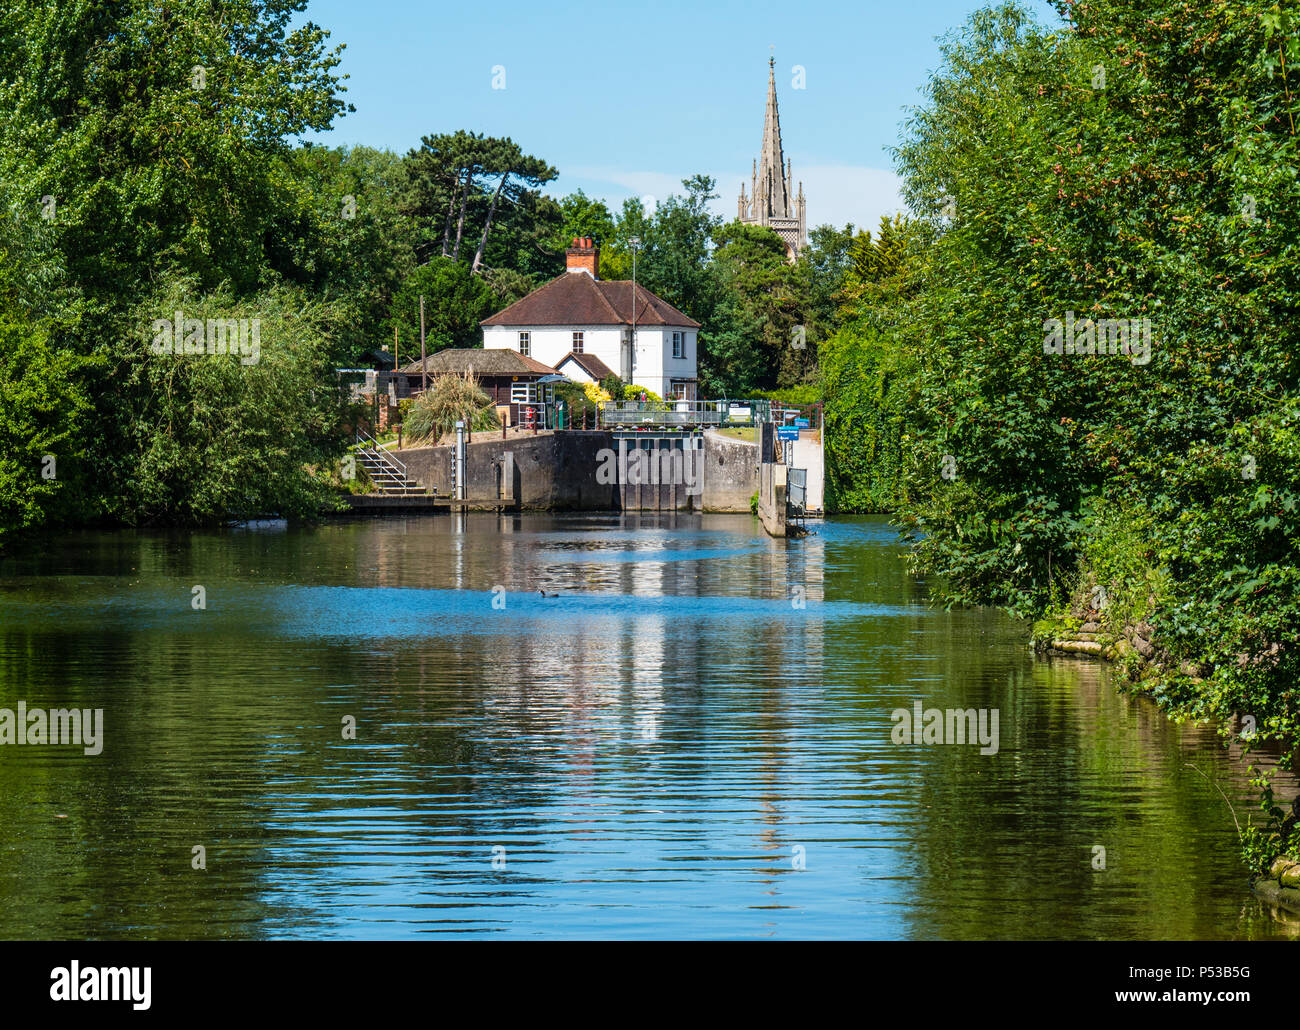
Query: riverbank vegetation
[[143, 155], [1131, 173]]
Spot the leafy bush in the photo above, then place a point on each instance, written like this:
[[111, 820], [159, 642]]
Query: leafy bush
[[795, 396], [41, 416], [577, 402], [613, 386], [44, 404], [214, 435], [633, 393]]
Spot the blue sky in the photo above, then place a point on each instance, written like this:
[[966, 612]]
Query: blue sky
[[627, 100]]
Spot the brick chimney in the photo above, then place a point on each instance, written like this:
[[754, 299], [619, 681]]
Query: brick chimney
[[583, 256]]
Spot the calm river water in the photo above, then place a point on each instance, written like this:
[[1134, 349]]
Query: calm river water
[[692, 740]]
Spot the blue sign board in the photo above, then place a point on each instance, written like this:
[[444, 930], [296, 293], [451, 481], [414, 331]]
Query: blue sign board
[[787, 432], [802, 423]]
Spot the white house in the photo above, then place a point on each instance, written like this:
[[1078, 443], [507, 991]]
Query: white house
[[643, 338]]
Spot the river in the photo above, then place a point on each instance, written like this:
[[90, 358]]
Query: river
[[382, 728]]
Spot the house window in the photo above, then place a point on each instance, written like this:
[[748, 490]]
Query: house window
[[523, 393], [679, 345], [681, 390], [525, 343], [577, 343]]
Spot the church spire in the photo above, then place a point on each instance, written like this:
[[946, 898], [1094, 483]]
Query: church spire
[[775, 191], [771, 201]]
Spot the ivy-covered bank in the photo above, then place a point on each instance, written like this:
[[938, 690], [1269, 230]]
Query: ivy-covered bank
[[1079, 365]]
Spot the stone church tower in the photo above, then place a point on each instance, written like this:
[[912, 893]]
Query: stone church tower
[[771, 201]]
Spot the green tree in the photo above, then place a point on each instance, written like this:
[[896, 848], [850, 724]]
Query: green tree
[[347, 239], [753, 321], [153, 143], [819, 278], [676, 245], [455, 301], [446, 194], [154, 130], [869, 371], [583, 216], [211, 435], [520, 175], [42, 418]]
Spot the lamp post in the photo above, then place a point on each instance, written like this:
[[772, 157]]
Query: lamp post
[[634, 242], [424, 358]]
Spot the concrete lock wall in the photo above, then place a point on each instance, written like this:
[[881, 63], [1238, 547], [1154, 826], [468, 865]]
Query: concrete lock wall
[[552, 471], [772, 498], [730, 473], [428, 466], [558, 472]]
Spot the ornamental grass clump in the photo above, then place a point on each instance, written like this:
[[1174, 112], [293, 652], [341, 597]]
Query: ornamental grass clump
[[449, 399]]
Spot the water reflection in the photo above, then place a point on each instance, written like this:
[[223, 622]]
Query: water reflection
[[693, 739]]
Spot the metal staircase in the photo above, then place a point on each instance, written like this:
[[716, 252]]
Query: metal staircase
[[387, 474]]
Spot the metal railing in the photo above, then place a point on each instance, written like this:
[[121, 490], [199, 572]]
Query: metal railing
[[683, 414], [787, 414], [796, 492], [373, 448], [388, 474]]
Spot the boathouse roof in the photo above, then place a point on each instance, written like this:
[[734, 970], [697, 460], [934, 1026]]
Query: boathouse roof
[[491, 362]]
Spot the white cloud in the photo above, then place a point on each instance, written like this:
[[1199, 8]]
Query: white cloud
[[597, 180]]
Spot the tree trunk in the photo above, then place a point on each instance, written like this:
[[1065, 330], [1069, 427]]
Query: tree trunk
[[482, 244], [464, 203], [451, 206]]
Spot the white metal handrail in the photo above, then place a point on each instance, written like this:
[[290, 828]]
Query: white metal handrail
[[370, 445]]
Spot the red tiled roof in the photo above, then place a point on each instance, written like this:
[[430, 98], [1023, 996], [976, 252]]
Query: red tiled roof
[[575, 298]]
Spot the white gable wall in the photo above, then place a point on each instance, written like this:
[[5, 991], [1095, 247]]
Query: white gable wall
[[575, 372]]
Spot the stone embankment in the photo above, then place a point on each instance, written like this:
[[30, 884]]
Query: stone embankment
[[1085, 633], [1281, 885]]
